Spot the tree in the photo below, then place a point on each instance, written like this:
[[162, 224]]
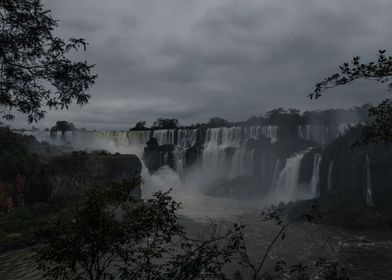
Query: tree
[[140, 126], [111, 234], [380, 127], [166, 123], [63, 126], [35, 71], [217, 122]]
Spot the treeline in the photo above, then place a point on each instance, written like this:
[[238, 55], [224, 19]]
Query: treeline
[[284, 118], [279, 117]]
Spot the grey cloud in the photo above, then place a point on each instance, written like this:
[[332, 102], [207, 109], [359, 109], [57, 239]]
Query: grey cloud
[[199, 58], [82, 25]]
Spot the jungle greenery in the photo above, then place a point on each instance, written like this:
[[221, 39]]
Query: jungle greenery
[[380, 70], [111, 235], [36, 72]]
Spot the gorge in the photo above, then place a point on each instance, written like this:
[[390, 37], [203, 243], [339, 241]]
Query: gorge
[[278, 159]]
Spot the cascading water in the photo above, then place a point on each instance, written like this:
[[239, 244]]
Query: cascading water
[[329, 182], [219, 140], [287, 184], [369, 192], [275, 175], [314, 183], [270, 132], [224, 153], [241, 163], [238, 161], [323, 134]]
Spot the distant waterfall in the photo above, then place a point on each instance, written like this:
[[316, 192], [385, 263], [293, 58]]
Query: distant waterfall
[[369, 192], [219, 142], [271, 132], [323, 134], [241, 163], [275, 175], [181, 138], [287, 185], [224, 148], [329, 182], [318, 133], [314, 183]]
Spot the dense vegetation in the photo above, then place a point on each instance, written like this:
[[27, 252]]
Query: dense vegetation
[[380, 70], [284, 118], [36, 72]]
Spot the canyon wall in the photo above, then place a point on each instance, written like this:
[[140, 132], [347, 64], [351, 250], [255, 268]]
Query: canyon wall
[[27, 178]]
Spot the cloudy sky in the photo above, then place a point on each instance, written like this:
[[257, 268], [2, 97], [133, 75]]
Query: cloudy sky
[[196, 59]]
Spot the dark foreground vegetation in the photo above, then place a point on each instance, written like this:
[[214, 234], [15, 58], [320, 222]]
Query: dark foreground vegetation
[[104, 230]]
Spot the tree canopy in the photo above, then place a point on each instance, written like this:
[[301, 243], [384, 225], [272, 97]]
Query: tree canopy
[[110, 234], [380, 127], [166, 123], [36, 73], [63, 126], [217, 122]]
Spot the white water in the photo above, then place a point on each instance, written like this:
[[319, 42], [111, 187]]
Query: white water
[[369, 192], [225, 154], [240, 162], [314, 183], [322, 134], [329, 182], [219, 140], [287, 184], [275, 175]]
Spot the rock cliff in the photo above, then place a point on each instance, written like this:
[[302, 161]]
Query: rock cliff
[[27, 177]]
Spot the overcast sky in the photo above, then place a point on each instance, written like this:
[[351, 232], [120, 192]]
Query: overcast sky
[[196, 59]]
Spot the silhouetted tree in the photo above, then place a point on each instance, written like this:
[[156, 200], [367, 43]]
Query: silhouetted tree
[[166, 123], [287, 120], [110, 234], [254, 120], [380, 128], [35, 72], [217, 122], [63, 126], [140, 126]]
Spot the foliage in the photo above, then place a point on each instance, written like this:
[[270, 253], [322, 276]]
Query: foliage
[[140, 126], [380, 128], [63, 126], [35, 69], [217, 122], [110, 234], [17, 229], [14, 157], [165, 123]]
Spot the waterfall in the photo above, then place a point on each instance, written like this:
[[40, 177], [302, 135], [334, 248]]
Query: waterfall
[[287, 184], [241, 163], [329, 182], [217, 143], [186, 138], [271, 132], [275, 175], [323, 134], [369, 192], [263, 168], [314, 183], [224, 149], [318, 133]]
